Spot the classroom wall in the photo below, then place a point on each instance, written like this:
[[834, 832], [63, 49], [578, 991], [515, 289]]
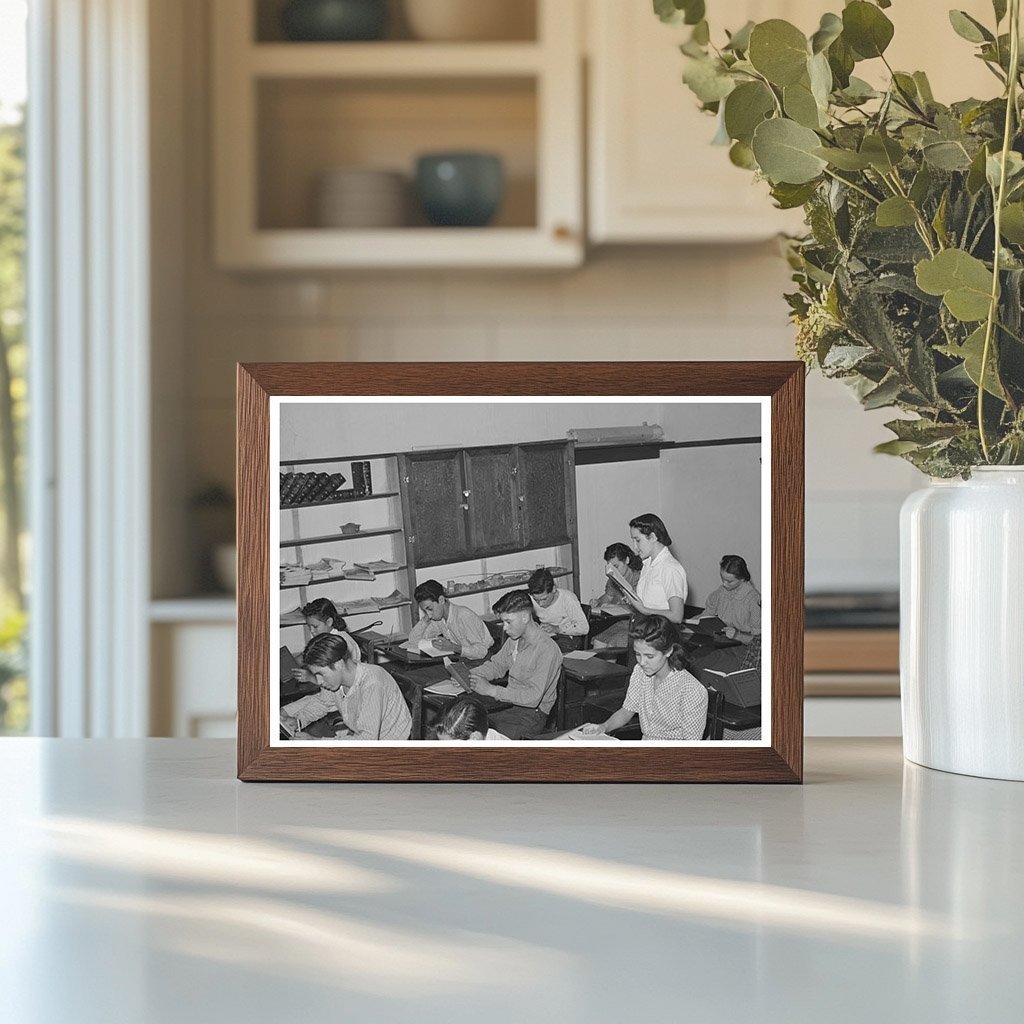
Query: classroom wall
[[318, 429], [710, 501]]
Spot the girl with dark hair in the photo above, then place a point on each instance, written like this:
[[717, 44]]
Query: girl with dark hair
[[626, 562], [662, 585], [466, 719], [738, 604], [322, 618], [371, 704], [671, 703]]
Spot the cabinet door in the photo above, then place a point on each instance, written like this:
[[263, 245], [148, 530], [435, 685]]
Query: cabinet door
[[437, 519], [545, 489], [493, 499], [654, 175]]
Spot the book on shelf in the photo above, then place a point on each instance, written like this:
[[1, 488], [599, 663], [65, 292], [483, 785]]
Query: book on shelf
[[380, 565], [622, 583]]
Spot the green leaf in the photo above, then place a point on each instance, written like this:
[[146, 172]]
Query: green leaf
[[1011, 226], [963, 281], [895, 447], [896, 212], [883, 153], [745, 108], [789, 197], [785, 152], [844, 159], [778, 50], [676, 12], [971, 352], [866, 29], [742, 155], [801, 106], [841, 60], [829, 30], [946, 156], [739, 41], [707, 80], [968, 28]]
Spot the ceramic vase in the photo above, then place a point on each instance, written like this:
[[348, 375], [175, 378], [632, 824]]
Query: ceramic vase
[[962, 624]]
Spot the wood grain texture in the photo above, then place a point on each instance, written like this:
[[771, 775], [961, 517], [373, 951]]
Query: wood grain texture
[[423, 762], [852, 650]]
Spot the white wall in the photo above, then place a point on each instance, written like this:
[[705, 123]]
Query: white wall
[[710, 504]]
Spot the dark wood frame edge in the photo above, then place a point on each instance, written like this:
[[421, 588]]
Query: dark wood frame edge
[[258, 761]]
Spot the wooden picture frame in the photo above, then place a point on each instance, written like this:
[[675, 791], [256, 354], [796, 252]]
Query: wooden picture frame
[[779, 759]]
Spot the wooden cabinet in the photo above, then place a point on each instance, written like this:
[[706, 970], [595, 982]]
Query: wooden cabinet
[[493, 499], [474, 502], [653, 174], [287, 114], [433, 485]]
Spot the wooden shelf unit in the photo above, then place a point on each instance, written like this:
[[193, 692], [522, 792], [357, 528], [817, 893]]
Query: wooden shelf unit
[[285, 112]]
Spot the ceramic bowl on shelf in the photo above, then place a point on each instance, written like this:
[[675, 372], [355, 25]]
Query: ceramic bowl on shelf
[[334, 20], [460, 189], [469, 20], [361, 197]]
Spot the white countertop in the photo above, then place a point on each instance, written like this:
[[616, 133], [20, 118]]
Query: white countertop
[[145, 885]]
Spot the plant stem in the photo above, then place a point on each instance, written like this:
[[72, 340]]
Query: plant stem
[[993, 308], [850, 184]]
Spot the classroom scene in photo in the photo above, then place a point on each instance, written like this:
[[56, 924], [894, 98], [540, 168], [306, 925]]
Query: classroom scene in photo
[[501, 570]]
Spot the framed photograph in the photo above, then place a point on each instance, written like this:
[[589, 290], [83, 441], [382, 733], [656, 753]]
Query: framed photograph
[[520, 572]]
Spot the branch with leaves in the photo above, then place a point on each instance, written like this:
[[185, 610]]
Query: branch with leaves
[[910, 279]]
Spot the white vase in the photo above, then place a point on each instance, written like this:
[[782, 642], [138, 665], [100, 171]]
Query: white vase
[[962, 624]]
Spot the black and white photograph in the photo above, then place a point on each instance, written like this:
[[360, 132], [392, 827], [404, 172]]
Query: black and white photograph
[[586, 571]]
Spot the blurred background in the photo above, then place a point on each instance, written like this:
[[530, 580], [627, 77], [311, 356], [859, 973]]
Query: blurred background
[[256, 180]]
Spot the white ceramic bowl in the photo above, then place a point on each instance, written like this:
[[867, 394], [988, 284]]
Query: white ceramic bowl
[[470, 20]]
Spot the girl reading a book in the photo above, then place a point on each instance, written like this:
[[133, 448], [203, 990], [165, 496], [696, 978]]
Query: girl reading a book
[[671, 703], [370, 703], [467, 719], [661, 589]]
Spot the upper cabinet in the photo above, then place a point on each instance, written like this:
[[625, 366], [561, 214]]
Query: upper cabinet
[[316, 144], [653, 174]]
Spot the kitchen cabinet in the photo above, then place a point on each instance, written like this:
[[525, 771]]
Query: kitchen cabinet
[[653, 174], [286, 113]]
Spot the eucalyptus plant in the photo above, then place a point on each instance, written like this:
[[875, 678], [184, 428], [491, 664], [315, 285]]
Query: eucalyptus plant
[[910, 278]]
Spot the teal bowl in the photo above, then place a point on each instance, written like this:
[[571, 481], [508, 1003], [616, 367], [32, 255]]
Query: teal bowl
[[461, 190], [333, 21]]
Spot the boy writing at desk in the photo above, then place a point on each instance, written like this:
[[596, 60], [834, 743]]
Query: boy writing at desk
[[532, 662], [450, 626]]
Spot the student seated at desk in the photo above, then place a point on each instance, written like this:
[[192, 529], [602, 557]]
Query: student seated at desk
[[467, 719], [738, 604], [532, 662], [371, 704], [558, 611], [672, 704], [322, 618], [459, 628], [628, 563]]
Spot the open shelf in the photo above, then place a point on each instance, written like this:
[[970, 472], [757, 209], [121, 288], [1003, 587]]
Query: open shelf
[[339, 501], [556, 573], [340, 579], [299, 542]]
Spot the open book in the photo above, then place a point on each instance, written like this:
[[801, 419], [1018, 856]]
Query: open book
[[621, 582]]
